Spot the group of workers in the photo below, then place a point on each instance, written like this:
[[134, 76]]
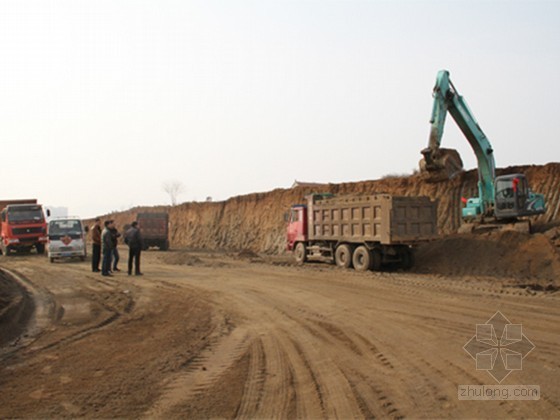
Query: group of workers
[[106, 252]]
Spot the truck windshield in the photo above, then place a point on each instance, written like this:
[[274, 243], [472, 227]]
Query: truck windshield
[[65, 227], [25, 215]]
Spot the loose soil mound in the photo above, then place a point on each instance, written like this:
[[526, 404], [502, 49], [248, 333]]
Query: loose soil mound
[[16, 308], [187, 258], [529, 259]]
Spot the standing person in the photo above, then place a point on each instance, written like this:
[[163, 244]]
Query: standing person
[[107, 248], [133, 239], [115, 235], [96, 247]]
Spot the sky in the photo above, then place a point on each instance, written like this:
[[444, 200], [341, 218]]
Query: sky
[[101, 102]]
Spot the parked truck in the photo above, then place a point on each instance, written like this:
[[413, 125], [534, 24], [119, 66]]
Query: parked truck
[[155, 229], [366, 232], [23, 226]]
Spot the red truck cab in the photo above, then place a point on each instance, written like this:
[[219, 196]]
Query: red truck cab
[[297, 225], [23, 227]]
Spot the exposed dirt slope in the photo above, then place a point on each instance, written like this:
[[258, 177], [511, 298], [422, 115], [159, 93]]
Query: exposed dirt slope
[[530, 260], [15, 308], [255, 221]]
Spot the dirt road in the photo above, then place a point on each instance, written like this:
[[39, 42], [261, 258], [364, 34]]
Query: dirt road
[[215, 335]]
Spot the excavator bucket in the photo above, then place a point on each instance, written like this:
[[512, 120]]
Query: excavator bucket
[[441, 164]]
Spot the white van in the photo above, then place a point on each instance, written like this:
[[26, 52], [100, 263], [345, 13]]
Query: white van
[[66, 239]]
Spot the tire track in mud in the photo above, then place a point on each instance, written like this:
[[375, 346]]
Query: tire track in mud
[[48, 311], [225, 348], [322, 372]]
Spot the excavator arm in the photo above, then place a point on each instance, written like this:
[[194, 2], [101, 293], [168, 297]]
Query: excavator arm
[[437, 160]]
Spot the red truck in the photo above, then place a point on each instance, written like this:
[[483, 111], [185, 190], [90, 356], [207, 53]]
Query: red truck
[[22, 226], [365, 232]]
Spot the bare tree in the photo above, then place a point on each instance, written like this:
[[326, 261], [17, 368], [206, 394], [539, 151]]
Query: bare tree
[[174, 189]]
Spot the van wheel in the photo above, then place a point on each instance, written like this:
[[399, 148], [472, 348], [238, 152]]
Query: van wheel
[[362, 259], [376, 260], [300, 253], [343, 256], [51, 260]]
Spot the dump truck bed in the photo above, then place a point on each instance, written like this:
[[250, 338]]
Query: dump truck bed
[[380, 218], [153, 225]]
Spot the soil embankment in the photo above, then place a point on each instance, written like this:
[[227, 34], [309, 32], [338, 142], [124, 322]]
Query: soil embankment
[[255, 221], [16, 308]]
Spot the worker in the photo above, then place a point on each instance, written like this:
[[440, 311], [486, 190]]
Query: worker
[[107, 248], [115, 235], [133, 238], [96, 247]]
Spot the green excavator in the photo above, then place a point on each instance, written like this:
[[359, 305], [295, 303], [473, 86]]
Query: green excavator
[[501, 199]]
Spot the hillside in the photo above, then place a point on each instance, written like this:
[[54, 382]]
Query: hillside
[[255, 221]]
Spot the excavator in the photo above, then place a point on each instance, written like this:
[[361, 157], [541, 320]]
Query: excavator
[[501, 199]]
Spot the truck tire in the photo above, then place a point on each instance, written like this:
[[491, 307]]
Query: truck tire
[[376, 260], [361, 259], [300, 253], [407, 259], [164, 246], [40, 249], [343, 256]]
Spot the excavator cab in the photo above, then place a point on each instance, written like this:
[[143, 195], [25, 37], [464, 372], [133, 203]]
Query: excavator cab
[[514, 198]]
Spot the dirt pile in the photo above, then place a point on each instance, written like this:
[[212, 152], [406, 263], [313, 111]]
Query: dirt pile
[[529, 259], [255, 221], [16, 307]]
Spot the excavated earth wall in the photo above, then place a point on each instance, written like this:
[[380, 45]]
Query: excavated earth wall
[[255, 222]]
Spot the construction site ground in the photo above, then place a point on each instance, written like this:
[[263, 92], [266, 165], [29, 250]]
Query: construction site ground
[[241, 335]]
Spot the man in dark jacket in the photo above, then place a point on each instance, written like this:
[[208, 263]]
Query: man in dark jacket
[[107, 248], [96, 247], [133, 239]]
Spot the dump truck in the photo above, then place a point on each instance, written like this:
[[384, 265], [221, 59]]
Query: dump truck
[[155, 229], [22, 226], [364, 232]]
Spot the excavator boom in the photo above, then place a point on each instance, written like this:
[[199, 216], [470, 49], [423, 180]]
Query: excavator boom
[[437, 160]]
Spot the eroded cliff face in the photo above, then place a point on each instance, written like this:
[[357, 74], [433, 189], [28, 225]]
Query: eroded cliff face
[[256, 221]]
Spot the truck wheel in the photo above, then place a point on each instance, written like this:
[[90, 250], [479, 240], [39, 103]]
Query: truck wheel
[[300, 253], [40, 248], [343, 256], [51, 259], [407, 259], [164, 246], [361, 259], [376, 260]]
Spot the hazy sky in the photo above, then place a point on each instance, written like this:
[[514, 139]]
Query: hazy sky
[[102, 101]]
